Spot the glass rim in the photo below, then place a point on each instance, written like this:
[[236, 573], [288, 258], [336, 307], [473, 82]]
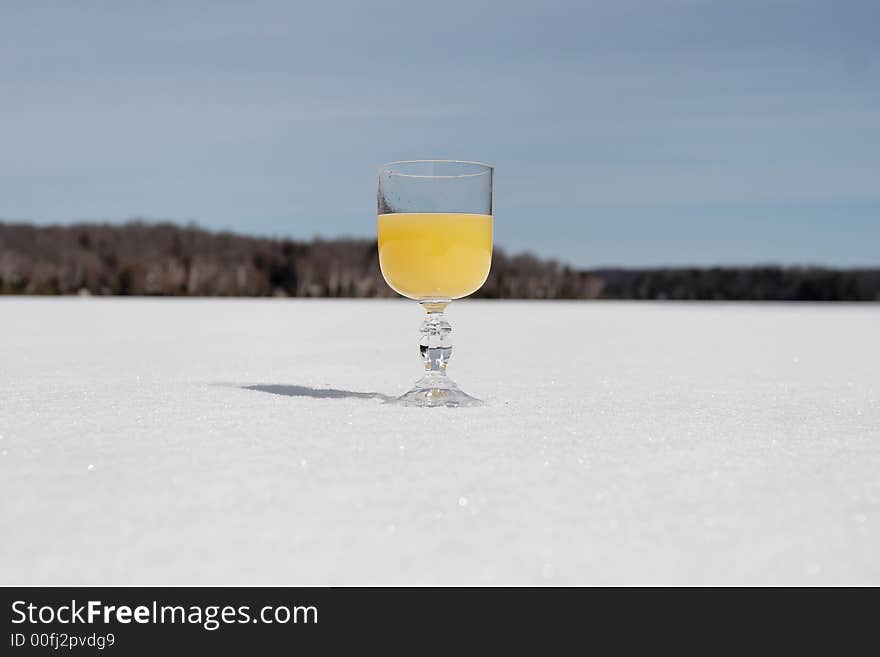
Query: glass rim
[[487, 168]]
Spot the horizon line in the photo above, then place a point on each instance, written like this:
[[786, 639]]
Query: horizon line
[[194, 224]]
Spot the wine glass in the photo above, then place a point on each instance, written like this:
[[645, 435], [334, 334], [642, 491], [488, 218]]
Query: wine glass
[[435, 245]]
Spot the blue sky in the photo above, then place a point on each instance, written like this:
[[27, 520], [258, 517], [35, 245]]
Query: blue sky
[[624, 132]]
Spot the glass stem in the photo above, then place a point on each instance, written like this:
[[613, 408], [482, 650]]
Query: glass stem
[[436, 343], [435, 388]]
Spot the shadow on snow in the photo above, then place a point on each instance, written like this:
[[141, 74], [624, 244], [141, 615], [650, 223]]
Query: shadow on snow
[[306, 391]]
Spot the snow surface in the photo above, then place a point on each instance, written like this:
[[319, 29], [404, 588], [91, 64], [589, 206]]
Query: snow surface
[[246, 441]]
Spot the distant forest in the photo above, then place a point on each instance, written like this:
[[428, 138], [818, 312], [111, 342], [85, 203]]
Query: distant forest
[[169, 260]]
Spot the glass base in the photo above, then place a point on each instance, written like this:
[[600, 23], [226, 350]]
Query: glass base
[[437, 390]]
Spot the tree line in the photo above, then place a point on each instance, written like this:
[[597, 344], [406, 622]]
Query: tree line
[[165, 259]]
